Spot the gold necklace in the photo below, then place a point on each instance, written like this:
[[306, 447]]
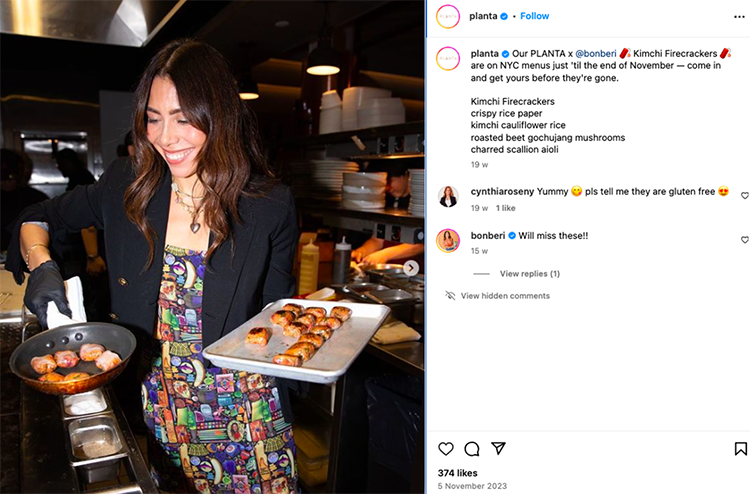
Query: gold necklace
[[192, 211]]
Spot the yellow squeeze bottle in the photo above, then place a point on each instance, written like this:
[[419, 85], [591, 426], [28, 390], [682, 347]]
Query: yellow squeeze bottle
[[308, 269]]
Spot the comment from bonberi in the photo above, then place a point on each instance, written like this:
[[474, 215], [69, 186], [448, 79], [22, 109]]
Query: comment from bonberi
[[588, 302]]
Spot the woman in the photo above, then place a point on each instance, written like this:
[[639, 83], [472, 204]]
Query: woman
[[448, 200], [448, 243], [199, 239]]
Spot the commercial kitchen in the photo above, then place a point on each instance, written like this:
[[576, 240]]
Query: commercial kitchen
[[338, 91]]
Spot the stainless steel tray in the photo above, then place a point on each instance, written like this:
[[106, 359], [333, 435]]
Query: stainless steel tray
[[329, 363]]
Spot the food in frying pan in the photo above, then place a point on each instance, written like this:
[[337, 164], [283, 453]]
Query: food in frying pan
[[43, 364], [75, 376], [290, 360], [313, 339], [52, 377], [331, 322], [257, 336], [297, 309], [305, 351], [308, 320], [296, 329], [283, 317], [318, 311], [323, 331], [342, 313], [108, 360], [90, 351], [66, 359]]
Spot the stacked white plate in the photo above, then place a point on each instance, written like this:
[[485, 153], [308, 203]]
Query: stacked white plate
[[330, 112], [301, 172], [326, 178], [364, 190], [353, 98], [381, 111], [416, 185]]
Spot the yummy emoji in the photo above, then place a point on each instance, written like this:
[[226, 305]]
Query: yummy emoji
[[723, 190], [576, 190]]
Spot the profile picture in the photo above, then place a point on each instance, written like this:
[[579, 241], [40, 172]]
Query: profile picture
[[448, 240], [448, 196]]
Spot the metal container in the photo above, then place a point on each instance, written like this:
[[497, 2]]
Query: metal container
[[95, 447], [380, 272], [85, 404], [94, 437]]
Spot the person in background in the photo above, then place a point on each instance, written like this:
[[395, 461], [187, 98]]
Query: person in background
[[397, 193], [16, 193], [72, 168], [380, 251], [448, 200]]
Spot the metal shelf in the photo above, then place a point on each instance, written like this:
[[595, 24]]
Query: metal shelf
[[389, 216]]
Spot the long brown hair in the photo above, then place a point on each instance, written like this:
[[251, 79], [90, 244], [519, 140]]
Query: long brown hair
[[230, 158]]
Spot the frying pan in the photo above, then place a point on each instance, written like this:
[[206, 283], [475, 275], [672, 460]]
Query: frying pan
[[71, 337]]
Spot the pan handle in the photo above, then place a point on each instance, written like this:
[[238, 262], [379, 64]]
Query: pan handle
[[23, 331]]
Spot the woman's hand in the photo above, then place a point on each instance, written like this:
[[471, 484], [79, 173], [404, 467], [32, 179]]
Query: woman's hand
[[95, 266], [46, 285]]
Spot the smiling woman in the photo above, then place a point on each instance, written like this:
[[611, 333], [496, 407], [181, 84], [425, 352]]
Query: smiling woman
[[194, 227]]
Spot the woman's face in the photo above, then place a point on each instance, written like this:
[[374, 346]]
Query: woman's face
[[167, 129], [448, 191]]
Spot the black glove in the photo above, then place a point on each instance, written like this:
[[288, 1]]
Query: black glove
[[46, 285]]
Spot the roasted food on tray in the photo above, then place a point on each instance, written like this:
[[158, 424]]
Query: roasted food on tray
[[308, 320], [297, 309], [90, 351], [283, 317], [323, 331], [331, 322], [290, 360], [296, 329], [313, 339], [258, 336], [43, 364], [342, 313], [305, 351], [318, 311]]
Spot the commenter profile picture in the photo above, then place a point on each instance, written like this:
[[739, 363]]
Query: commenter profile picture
[[448, 16], [448, 240], [448, 58]]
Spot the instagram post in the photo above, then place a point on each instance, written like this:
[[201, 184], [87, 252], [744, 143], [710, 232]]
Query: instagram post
[[218, 218]]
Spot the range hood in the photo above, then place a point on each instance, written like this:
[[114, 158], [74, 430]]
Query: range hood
[[113, 22]]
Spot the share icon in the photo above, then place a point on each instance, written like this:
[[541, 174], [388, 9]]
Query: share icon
[[498, 447]]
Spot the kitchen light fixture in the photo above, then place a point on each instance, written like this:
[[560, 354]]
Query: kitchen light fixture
[[324, 60], [249, 89]]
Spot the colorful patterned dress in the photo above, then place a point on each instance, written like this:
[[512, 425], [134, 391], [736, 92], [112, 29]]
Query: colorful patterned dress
[[214, 430]]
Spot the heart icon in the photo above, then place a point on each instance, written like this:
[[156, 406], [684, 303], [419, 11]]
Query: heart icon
[[745, 239], [445, 448], [745, 195]]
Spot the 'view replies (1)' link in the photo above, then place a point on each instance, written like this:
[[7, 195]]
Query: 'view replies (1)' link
[[588, 194]]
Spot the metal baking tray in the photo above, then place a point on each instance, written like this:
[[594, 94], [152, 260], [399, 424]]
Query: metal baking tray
[[329, 363]]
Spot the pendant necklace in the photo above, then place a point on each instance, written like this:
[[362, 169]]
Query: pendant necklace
[[191, 210]]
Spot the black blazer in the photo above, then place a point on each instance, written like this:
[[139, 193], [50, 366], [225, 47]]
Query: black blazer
[[236, 287], [444, 202]]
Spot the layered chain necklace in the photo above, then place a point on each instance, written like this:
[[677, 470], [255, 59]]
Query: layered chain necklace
[[191, 210]]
